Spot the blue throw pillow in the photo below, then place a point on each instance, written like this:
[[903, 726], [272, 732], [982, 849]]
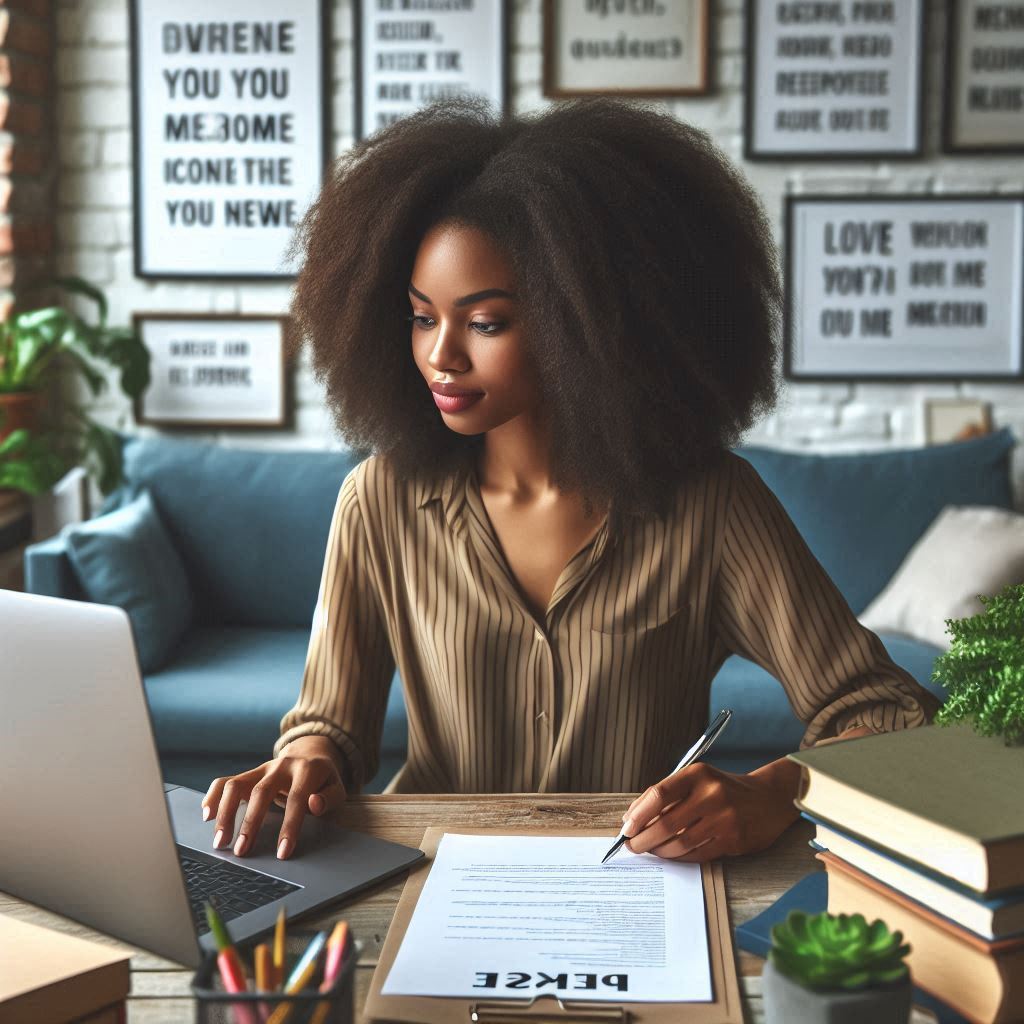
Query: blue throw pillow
[[125, 558], [862, 512], [250, 525]]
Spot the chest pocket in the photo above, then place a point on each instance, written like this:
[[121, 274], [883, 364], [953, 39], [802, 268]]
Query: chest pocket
[[633, 621]]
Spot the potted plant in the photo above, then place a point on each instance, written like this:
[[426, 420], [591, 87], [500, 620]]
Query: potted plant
[[983, 670], [35, 448], [836, 968]]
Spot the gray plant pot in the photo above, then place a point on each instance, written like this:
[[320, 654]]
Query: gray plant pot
[[787, 1002]]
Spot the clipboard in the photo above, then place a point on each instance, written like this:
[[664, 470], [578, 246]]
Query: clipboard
[[724, 1008]]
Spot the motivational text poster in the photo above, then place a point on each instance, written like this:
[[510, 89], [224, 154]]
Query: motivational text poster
[[230, 133], [985, 84], [841, 77], [646, 47], [904, 287], [412, 52], [224, 371]]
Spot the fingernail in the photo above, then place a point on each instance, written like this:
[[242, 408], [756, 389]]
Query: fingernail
[[217, 838], [282, 848], [206, 814], [628, 826], [240, 843]]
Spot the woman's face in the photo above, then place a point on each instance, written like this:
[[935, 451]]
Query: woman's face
[[465, 329]]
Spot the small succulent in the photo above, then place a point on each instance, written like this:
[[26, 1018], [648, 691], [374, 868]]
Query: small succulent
[[837, 951]]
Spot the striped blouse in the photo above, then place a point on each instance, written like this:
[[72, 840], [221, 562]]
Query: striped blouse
[[612, 686]]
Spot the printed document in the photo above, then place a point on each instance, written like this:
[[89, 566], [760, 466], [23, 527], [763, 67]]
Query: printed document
[[506, 917]]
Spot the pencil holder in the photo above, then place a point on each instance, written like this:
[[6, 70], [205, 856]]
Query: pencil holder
[[215, 1005]]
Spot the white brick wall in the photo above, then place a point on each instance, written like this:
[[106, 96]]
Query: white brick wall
[[95, 230]]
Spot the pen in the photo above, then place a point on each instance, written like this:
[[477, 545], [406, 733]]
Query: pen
[[230, 965], [697, 750]]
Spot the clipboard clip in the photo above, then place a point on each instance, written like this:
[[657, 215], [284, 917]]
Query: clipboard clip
[[496, 1010]]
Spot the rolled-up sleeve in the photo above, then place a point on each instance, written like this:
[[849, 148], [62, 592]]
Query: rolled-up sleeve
[[776, 605], [349, 663]]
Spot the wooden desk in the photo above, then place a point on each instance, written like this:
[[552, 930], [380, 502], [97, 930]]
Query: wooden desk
[[160, 991]]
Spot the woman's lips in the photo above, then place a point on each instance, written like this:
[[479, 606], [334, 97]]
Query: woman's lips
[[456, 403]]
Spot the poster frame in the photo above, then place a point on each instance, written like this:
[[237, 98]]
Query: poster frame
[[790, 373], [285, 341], [359, 59], [150, 273], [550, 88], [749, 77]]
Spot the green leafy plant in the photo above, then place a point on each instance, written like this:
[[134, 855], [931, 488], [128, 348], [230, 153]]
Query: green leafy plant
[[983, 670], [32, 345], [837, 951]]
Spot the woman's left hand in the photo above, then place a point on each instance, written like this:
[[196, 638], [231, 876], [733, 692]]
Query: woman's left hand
[[702, 812]]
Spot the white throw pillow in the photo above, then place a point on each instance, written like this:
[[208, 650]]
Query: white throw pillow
[[968, 550]]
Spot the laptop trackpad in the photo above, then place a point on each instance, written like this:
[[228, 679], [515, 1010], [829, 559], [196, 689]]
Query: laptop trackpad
[[321, 843]]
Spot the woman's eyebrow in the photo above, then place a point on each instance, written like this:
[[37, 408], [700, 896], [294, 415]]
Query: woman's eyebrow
[[487, 293]]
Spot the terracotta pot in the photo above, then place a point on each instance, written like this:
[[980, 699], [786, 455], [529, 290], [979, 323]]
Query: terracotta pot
[[19, 409]]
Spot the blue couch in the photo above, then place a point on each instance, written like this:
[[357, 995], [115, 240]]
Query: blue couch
[[251, 528]]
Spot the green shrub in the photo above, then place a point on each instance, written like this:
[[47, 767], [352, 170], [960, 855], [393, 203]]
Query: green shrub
[[983, 670], [837, 951]]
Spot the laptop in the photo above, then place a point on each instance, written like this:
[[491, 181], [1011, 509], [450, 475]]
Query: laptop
[[90, 829]]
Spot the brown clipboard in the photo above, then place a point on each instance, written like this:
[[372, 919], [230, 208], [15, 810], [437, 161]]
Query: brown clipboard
[[724, 1008]]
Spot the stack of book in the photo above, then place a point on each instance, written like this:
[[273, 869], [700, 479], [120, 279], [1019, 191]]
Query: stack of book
[[924, 828], [49, 977]]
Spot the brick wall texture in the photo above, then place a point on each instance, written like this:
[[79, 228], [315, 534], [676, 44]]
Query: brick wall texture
[[92, 234]]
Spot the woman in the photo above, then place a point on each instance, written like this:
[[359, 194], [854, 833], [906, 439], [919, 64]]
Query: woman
[[560, 560]]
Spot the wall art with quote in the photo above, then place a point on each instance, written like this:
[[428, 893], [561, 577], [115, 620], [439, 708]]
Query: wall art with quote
[[903, 287], [838, 79], [983, 108], [214, 370], [642, 48], [407, 55], [231, 132]]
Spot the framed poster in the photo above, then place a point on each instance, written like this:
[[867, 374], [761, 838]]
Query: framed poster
[[409, 54], [983, 104], [639, 49], [230, 132], [955, 419], [882, 288], [840, 79], [213, 370]]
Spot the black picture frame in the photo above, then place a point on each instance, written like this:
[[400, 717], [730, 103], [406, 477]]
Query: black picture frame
[[359, 60], [749, 77], [325, 21], [792, 202], [286, 338], [951, 86]]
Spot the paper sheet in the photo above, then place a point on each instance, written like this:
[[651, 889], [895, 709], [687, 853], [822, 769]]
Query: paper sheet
[[506, 917]]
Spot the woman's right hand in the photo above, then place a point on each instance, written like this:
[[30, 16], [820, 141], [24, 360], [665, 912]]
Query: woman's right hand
[[306, 776]]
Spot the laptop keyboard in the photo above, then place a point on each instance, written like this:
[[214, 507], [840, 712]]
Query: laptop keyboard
[[233, 890]]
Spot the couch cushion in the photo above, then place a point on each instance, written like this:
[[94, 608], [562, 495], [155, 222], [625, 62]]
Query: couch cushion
[[251, 526], [764, 720], [969, 551], [126, 559], [860, 513], [230, 687]]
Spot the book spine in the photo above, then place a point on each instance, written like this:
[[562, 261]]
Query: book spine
[[976, 984]]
